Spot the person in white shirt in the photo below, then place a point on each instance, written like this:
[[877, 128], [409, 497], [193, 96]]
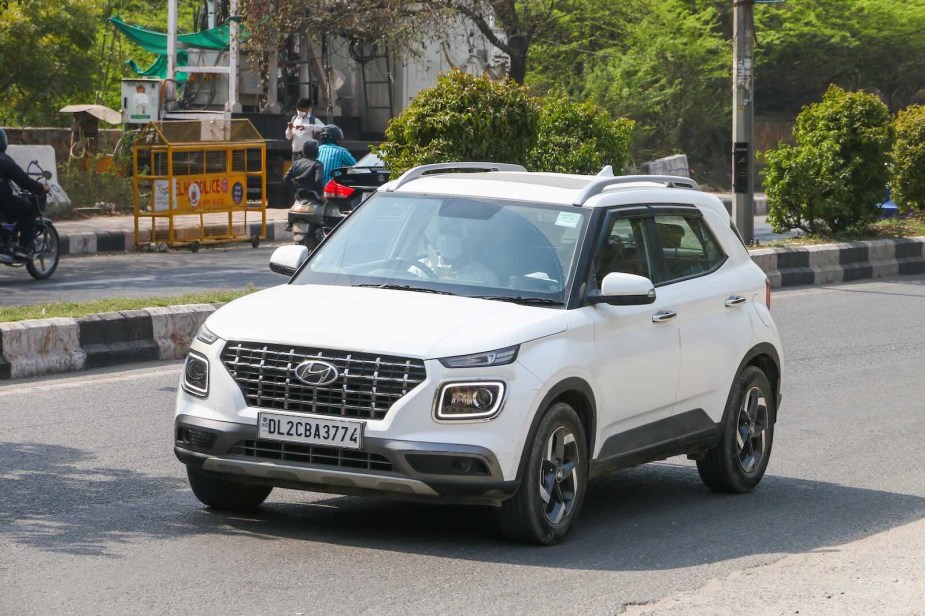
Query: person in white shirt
[[302, 127]]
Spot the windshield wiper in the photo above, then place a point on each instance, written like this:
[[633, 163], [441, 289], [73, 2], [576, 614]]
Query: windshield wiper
[[541, 301], [404, 287]]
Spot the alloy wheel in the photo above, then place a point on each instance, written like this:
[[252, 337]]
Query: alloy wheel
[[751, 432], [559, 475]]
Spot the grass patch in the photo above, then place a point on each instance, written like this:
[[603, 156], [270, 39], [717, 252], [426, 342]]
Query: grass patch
[[82, 309], [888, 228]]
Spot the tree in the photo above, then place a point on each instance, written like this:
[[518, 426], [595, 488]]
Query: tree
[[399, 25], [908, 159], [671, 74], [43, 51], [836, 174], [463, 117]]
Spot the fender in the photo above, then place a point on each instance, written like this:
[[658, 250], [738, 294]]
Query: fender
[[768, 350], [575, 384]]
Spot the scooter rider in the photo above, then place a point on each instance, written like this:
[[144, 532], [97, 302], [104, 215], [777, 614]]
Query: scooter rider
[[306, 175], [13, 207], [331, 153]]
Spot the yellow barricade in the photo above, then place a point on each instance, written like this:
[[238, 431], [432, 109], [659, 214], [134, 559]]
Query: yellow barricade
[[199, 182]]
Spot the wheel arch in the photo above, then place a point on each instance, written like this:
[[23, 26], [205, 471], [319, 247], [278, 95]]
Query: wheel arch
[[766, 358], [577, 393]]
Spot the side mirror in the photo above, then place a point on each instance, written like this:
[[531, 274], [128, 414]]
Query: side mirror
[[46, 175], [287, 259], [619, 289]]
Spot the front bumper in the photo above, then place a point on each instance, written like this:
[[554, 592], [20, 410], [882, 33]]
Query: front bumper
[[442, 472]]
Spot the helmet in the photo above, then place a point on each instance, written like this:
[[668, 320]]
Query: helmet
[[2, 140], [330, 134]]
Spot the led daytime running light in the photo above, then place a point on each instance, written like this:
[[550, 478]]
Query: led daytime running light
[[498, 357]]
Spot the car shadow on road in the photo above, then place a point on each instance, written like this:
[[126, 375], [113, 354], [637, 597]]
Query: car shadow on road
[[659, 516]]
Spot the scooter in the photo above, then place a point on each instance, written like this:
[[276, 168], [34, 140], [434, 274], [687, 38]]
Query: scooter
[[45, 252], [311, 219]]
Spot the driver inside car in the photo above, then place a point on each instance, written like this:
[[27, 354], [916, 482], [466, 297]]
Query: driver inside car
[[459, 253]]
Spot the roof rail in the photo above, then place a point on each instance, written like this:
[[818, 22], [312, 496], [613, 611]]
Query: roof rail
[[416, 172], [597, 186]]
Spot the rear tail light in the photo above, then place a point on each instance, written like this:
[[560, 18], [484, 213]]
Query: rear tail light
[[767, 293], [334, 190]]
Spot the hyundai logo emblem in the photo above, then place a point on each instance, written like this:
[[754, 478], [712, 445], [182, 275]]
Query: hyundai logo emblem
[[316, 373]]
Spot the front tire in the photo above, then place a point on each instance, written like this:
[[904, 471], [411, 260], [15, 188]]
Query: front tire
[[555, 477], [225, 494], [45, 251], [740, 459]]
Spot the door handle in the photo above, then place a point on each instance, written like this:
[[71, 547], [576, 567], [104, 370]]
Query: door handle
[[663, 315], [734, 300]]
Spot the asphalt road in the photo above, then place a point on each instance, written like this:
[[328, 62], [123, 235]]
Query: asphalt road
[[142, 274], [96, 517]]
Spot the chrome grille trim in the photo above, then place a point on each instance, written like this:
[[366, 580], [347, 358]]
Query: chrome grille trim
[[366, 388], [311, 454]]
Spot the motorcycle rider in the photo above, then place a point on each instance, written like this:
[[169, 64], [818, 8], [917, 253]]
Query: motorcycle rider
[[306, 175], [331, 153], [13, 207]]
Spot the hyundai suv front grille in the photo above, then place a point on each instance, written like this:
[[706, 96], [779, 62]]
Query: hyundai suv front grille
[[364, 385], [311, 454]]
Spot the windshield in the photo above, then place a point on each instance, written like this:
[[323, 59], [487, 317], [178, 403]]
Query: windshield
[[370, 160], [470, 246]]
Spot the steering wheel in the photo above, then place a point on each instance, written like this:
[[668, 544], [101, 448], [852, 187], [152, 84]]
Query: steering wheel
[[428, 271]]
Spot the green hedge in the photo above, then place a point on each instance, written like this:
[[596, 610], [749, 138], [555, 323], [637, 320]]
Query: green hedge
[[579, 138], [908, 158], [836, 174]]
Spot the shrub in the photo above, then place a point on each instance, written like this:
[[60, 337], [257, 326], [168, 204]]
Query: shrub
[[579, 138], [463, 117], [908, 157], [96, 181], [835, 175]]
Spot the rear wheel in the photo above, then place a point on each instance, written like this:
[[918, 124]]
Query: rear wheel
[[225, 494], [738, 462], [312, 238], [45, 251], [555, 477]]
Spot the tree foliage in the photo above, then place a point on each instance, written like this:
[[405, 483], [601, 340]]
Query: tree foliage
[[575, 137], [463, 118], [908, 159], [835, 175]]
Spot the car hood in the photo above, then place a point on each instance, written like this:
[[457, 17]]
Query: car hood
[[384, 321]]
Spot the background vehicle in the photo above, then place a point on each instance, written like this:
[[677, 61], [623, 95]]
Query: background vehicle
[[501, 337], [45, 253], [311, 221]]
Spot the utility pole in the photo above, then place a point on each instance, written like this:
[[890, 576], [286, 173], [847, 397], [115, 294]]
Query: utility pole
[[743, 119], [170, 83]]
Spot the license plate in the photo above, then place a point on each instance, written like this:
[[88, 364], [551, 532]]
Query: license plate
[[310, 430]]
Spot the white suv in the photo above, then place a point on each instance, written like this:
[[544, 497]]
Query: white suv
[[475, 333]]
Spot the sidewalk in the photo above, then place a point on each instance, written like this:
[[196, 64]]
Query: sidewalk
[[117, 233]]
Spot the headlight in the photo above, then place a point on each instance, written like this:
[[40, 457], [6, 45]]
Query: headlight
[[205, 335], [471, 400], [196, 375], [477, 360]]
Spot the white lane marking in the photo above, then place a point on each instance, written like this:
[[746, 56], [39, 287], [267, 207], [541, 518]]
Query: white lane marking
[[84, 379]]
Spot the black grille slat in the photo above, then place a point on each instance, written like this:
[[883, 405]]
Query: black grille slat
[[368, 385], [311, 454]]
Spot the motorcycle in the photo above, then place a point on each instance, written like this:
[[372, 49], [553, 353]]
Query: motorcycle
[[311, 219], [45, 252]]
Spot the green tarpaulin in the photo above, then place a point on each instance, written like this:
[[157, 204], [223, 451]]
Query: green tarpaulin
[[159, 68], [156, 42]]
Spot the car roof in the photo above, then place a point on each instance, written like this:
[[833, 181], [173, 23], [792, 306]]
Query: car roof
[[556, 188]]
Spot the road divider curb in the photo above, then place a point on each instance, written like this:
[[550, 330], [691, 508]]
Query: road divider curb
[[845, 262], [48, 346]]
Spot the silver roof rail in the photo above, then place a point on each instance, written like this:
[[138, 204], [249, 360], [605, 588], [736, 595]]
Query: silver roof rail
[[416, 172], [597, 186]]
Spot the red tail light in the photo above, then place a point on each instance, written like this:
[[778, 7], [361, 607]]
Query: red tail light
[[333, 190], [767, 293]]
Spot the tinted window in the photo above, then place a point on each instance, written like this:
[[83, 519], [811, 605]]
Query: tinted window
[[687, 248], [624, 249]]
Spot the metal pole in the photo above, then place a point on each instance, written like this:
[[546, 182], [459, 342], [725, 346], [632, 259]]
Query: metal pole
[[170, 83], [233, 105], [743, 115]]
